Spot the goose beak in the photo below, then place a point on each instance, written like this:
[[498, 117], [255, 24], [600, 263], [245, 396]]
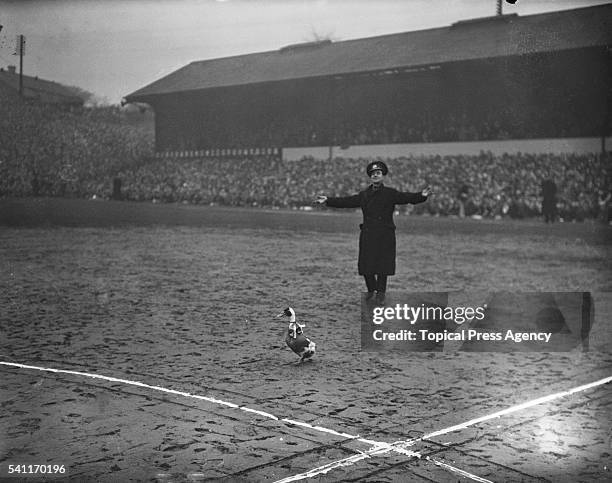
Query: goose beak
[[280, 315]]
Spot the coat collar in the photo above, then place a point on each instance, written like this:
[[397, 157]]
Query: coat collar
[[371, 193]]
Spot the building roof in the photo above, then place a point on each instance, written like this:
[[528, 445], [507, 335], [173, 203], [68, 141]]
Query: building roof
[[35, 88], [489, 37]]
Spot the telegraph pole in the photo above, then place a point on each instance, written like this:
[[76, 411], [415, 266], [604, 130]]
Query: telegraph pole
[[20, 50]]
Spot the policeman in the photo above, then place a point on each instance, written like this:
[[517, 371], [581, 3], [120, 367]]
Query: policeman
[[377, 238]]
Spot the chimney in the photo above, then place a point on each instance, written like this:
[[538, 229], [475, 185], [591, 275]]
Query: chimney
[[11, 69]]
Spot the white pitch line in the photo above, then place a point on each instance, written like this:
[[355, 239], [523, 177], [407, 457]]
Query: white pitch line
[[261, 413], [376, 450], [510, 410], [246, 409], [402, 445], [324, 430], [377, 446]]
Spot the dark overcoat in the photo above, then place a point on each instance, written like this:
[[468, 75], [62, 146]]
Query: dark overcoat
[[377, 237], [549, 197]]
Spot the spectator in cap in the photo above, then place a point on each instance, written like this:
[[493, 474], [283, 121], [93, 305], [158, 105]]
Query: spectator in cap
[[377, 238]]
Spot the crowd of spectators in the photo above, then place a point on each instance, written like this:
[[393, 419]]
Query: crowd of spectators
[[53, 152], [495, 186]]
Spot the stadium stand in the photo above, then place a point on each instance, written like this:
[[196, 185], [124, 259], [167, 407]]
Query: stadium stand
[[46, 151], [504, 77], [221, 124]]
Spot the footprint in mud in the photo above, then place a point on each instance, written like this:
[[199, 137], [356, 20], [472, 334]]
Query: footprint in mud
[[336, 411], [255, 455], [177, 447], [245, 430], [27, 426]]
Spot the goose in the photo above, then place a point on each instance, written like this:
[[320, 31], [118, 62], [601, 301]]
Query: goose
[[295, 339]]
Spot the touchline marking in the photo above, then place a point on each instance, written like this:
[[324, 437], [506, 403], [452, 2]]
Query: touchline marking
[[261, 413], [324, 430], [402, 445], [246, 409], [379, 448], [510, 410]]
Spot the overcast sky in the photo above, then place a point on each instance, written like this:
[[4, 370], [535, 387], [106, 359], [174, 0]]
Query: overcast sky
[[114, 47]]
